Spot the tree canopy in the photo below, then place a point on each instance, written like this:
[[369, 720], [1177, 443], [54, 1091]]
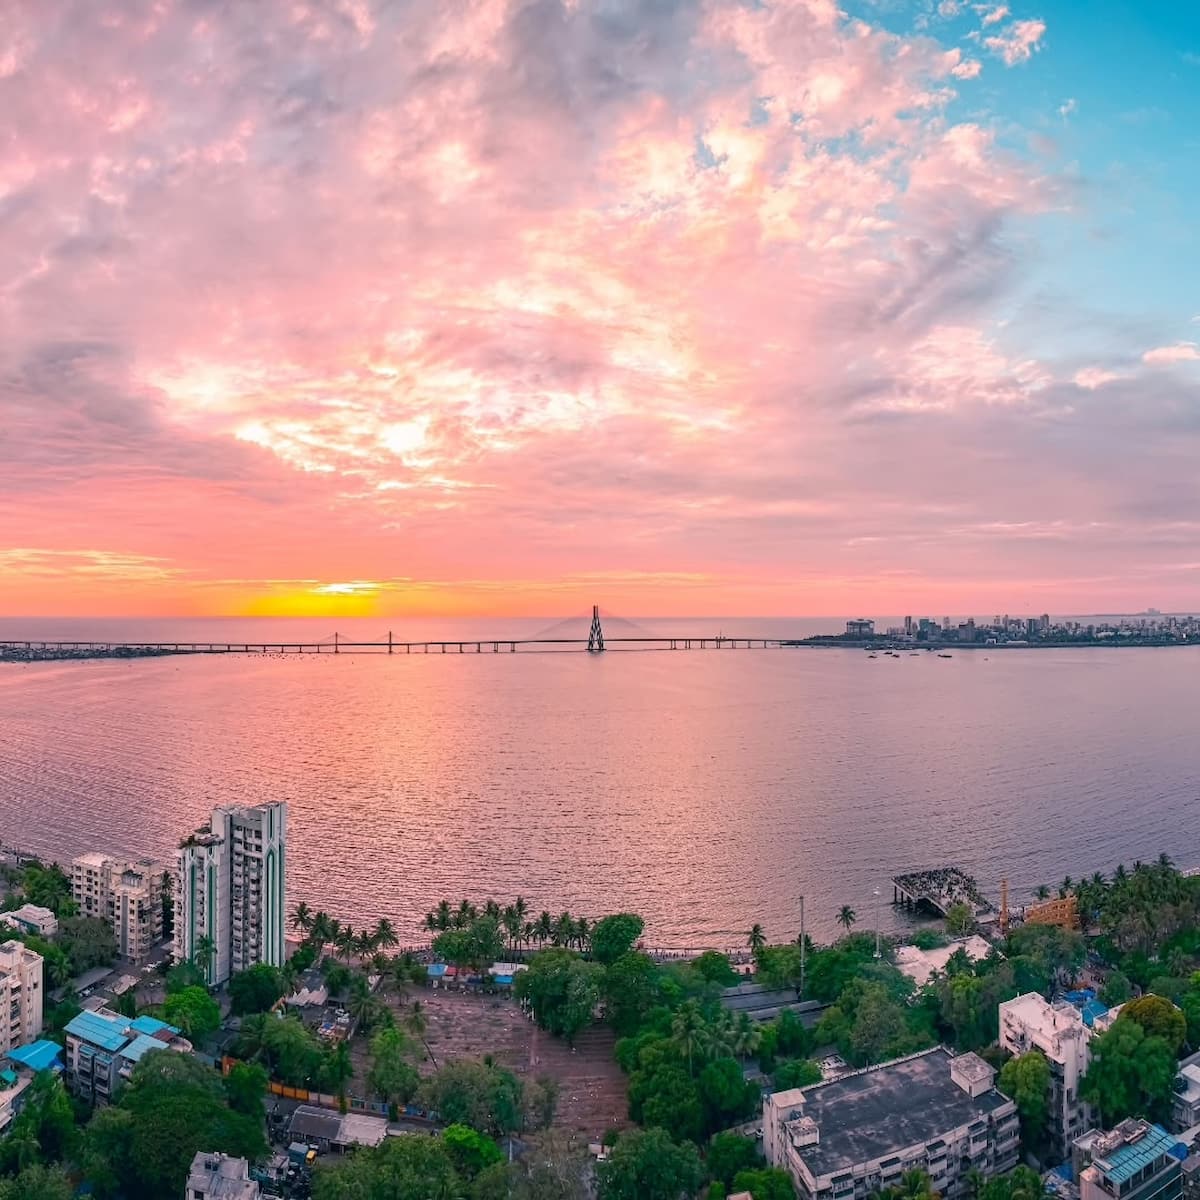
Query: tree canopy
[[416, 1167], [486, 1097], [615, 935], [563, 990], [257, 989], [1026, 1081], [1131, 1073], [648, 1165]]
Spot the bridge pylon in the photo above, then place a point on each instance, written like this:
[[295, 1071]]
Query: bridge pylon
[[596, 633]]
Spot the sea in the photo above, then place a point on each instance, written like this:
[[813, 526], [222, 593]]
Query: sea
[[707, 790]]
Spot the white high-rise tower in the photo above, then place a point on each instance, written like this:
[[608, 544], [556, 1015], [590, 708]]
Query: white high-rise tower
[[231, 890]]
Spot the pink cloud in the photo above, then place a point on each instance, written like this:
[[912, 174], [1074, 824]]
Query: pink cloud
[[528, 297], [993, 16], [1018, 42], [1167, 355]]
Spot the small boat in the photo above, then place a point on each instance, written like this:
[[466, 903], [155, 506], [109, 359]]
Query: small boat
[[945, 656], [872, 655]]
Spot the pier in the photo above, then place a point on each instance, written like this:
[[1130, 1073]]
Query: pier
[[937, 890]]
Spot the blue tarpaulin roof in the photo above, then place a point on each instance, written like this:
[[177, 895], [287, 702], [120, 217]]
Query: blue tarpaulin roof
[[150, 1025], [37, 1056], [436, 970], [99, 1031], [1092, 1009]]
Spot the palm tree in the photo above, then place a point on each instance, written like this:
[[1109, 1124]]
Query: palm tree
[[1179, 963], [443, 918], [385, 934], [346, 942], [544, 928], [302, 917], [203, 953], [1042, 892], [746, 1036], [252, 1036], [1164, 862], [1065, 887], [491, 909], [364, 943], [529, 932], [757, 940], [322, 930], [360, 1004], [846, 917], [520, 908], [465, 915], [583, 934], [564, 930], [512, 925], [688, 1030], [398, 977], [417, 1025]]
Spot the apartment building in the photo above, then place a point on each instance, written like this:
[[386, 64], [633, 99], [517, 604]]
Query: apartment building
[[20, 995], [103, 1047], [231, 890], [128, 895], [1059, 1031], [220, 1177], [851, 1137]]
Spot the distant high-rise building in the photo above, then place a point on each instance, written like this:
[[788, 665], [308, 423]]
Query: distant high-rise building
[[20, 995], [231, 890], [908, 626]]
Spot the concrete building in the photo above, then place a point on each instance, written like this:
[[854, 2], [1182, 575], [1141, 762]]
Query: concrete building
[[1058, 1030], [231, 889], [1185, 1099], [31, 918], [851, 1137], [220, 1177], [128, 895], [1134, 1161], [103, 1047], [20, 995], [860, 628]]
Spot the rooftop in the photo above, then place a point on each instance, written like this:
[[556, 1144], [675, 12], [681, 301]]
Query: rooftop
[[141, 1046], [885, 1109], [919, 965], [220, 1175], [37, 1056], [152, 1026], [1130, 1148], [106, 1032]]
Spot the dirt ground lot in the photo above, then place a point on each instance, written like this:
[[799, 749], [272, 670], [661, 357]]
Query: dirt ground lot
[[592, 1094]]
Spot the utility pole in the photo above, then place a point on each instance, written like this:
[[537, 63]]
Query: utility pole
[[803, 948], [876, 922]]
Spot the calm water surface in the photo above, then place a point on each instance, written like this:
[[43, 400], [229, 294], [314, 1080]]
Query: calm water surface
[[705, 790]]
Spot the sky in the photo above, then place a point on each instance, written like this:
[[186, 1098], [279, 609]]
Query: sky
[[676, 306]]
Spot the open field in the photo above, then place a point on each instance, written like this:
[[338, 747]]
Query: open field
[[462, 1025]]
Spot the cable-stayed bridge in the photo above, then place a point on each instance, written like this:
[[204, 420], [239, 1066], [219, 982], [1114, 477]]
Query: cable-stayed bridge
[[604, 633]]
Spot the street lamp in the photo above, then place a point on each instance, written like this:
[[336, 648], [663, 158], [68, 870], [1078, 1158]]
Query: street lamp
[[876, 922]]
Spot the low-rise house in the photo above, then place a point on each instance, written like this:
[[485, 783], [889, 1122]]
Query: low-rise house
[[220, 1177], [851, 1137], [1134, 1161], [103, 1047], [328, 1130], [1185, 1100], [13, 1085], [31, 918]]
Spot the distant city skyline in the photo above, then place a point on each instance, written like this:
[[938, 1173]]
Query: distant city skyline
[[349, 308]]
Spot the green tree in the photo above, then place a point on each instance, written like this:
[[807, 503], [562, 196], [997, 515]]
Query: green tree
[[470, 1151], [37, 1183], [257, 989], [175, 1106], [246, 1089], [88, 942], [289, 1050], [392, 1076], [1131, 1073], [1026, 1081], [563, 990], [193, 1011], [631, 988], [615, 935], [416, 1167], [484, 1096], [725, 1093], [1021, 1183], [729, 1154], [648, 1165], [184, 975], [1116, 990], [914, 1185], [765, 1183], [336, 1070], [797, 1072], [1159, 1018], [541, 1101], [44, 1129], [756, 939], [960, 919], [847, 917], [715, 968]]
